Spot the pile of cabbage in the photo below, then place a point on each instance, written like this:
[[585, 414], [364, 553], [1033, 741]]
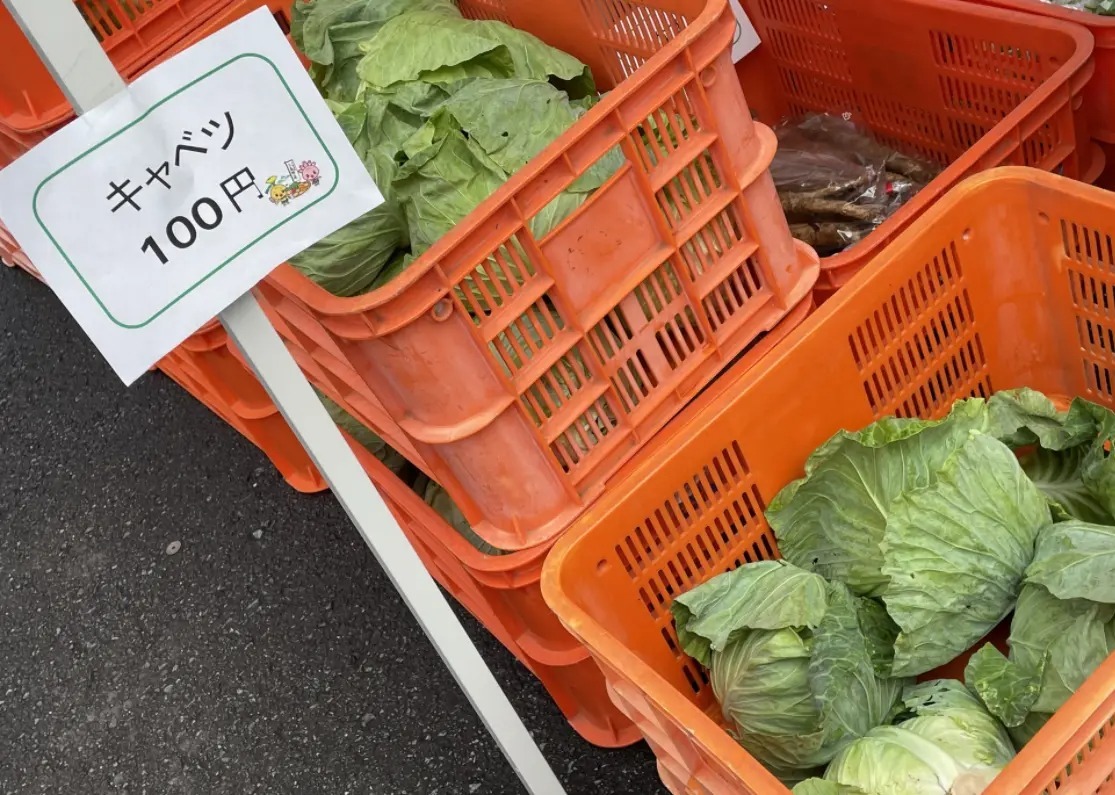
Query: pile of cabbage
[[903, 546], [442, 110]]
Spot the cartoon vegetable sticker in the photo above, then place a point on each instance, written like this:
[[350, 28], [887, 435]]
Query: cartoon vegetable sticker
[[310, 172], [278, 193]]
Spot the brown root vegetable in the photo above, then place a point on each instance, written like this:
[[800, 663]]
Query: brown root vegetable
[[919, 171], [829, 235], [836, 183], [830, 191], [803, 204]]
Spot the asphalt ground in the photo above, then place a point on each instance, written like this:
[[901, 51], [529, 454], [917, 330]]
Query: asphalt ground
[[268, 654]]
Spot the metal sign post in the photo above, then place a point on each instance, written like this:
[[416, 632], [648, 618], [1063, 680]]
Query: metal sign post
[[88, 78]]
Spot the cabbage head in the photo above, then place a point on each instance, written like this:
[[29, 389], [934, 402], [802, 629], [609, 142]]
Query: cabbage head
[[798, 665], [944, 743], [1063, 629], [937, 518]]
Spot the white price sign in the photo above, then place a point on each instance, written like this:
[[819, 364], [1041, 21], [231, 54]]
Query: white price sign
[[189, 188], [746, 38]]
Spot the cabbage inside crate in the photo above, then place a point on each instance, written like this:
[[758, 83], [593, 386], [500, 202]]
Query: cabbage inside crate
[[1008, 282], [506, 359], [959, 84]]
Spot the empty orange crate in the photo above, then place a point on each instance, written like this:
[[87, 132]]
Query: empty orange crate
[[502, 592], [521, 394], [1006, 282], [136, 34], [1099, 95], [966, 86]]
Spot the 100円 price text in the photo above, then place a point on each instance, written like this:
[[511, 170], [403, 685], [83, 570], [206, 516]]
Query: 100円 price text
[[206, 214]]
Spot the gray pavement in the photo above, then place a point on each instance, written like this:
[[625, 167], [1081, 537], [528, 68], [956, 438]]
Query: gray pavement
[[283, 664]]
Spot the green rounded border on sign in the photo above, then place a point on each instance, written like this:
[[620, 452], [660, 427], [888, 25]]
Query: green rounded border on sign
[[152, 109]]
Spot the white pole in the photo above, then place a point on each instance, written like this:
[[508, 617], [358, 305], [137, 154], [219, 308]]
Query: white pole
[[88, 78]]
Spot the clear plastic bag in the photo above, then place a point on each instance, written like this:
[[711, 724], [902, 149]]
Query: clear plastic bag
[[1103, 8], [837, 184]]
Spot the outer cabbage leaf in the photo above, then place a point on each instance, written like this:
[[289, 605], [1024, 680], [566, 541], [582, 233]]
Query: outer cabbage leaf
[[842, 669], [1021, 417], [454, 49], [769, 594], [1020, 735], [438, 499], [392, 459], [446, 177], [314, 20], [955, 552], [349, 261], [1064, 639], [1076, 560], [468, 149], [832, 521], [879, 632], [1059, 476], [534, 58], [511, 120], [1007, 688], [1098, 467], [1055, 645]]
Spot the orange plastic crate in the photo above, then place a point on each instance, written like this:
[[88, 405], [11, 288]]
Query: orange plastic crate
[[136, 34], [1006, 282], [967, 86], [1099, 95], [12, 255], [593, 338], [502, 592], [13, 144], [205, 366]]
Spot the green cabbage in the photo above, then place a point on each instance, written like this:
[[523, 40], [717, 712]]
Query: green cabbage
[[1063, 628], [371, 441], [795, 662], [1100, 7], [935, 517], [944, 743], [1064, 622], [353, 259], [442, 110]]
